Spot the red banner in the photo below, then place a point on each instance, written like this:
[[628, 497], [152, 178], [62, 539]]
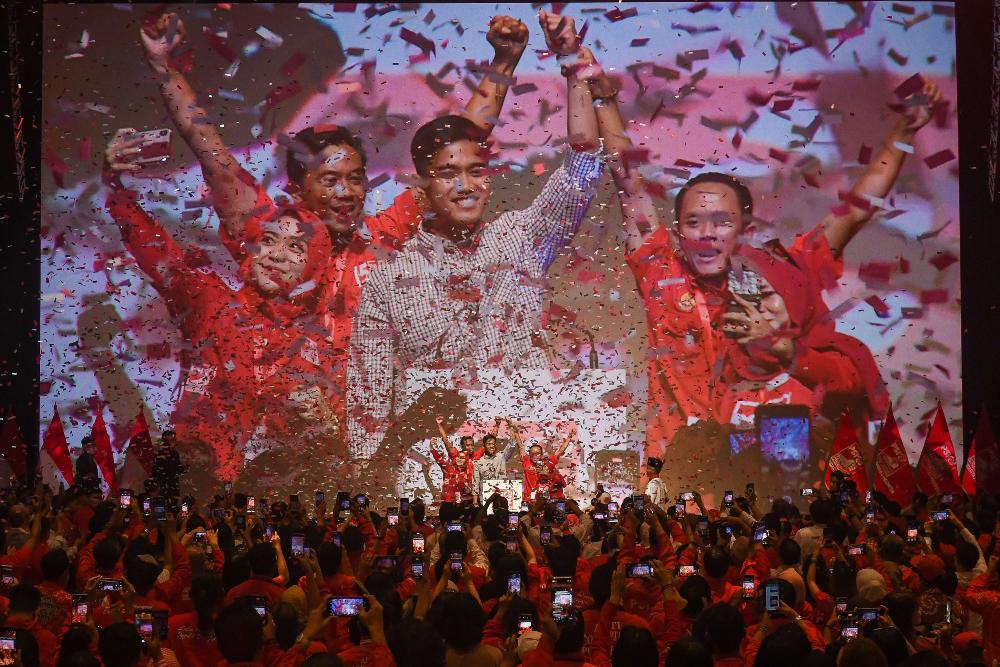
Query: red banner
[[105, 456], [981, 472], [937, 472], [54, 444], [892, 474], [846, 455]]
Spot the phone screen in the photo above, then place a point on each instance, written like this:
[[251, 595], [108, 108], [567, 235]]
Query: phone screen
[[417, 569], [686, 570], [687, 496], [562, 604], [639, 570], [727, 499], [544, 535], [940, 516], [251, 504], [849, 631], [8, 650], [514, 584], [319, 497], [298, 544], [80, 609], [417, 543], [524, 624], [841, 605], [760, 533], [749, 588], [404, 506], [125, 498], [456, 561], [772, 597], [392, 517], [784, 432], [346, 606]]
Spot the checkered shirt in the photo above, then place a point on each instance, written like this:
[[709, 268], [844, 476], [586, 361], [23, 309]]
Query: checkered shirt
[[437, 305]]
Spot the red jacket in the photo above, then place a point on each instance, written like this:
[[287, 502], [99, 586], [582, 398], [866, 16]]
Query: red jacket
[[48, 644], [249, 357], [983, 597]]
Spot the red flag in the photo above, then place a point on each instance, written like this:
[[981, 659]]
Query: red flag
[[140, 444], [981, 472], [54, 444], [892, 475], [846, 455], [12, 447], [104, 455], [937, 472]]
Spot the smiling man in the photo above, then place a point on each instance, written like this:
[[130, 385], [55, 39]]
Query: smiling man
[[465, 293], [326, 176], [683, 271]]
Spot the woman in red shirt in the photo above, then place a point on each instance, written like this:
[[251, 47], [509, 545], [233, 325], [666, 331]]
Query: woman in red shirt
[[540, 473], [192, 635]]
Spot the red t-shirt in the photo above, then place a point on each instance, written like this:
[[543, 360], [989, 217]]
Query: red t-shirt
[[257, 584], [193, 648], [543, 477]]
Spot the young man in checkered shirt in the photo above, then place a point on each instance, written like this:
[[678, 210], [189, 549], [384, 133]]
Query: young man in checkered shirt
[[466, 293]]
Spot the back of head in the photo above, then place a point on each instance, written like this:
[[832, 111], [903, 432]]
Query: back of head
[[120, 645], [263, 561], [55, 564], [239, 632], [323, 660], [688, 652], [142, 572], [901, 607], [571, 634], [790, 553], [438, 133], [562, 560], [788, 645], [24, 599], [721, 628], [697, 592], [462, 621], [862, 652], [416, 643], [107, 552], [635, 648], [600, 583], [26, 644], [286, 625], [822, 510], [716, 562], [81, 658], [892, 643], [207, 593], [329, 556], [966, 556], [925, 659]]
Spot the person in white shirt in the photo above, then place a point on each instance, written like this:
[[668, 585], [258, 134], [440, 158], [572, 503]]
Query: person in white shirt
[[656, 490], [491, 465]]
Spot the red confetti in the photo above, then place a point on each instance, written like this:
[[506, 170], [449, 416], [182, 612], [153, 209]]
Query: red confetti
[[293, 64], [810, 179], [346, 7], [865, 154], [418, 40], [780, 156], [617, 14], [85, 150], [937, 159], [758, 99], [737, 140], [943, 260], [806, 84], [876, 272], [782, 105], [158, 351], [934, 296], [220, 46], [878, 305], [640, 41], [57, 166], [912, 85], [283, 93]]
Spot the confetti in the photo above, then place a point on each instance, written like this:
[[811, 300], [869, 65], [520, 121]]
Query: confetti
[[617, 14], [937, 159]]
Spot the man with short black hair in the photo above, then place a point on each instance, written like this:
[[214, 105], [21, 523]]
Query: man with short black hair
[[87, 476], [21, 614], [263, 560], [465, 293], [326, 170]]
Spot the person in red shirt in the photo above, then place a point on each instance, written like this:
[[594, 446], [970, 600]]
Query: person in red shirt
[[191, 635], [683, 273], [457, 475], [21, 614], [55, 609], [326, 170], [264, 570], [258, 355], [540, 473]]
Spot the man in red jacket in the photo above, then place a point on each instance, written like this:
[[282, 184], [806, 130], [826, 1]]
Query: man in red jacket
[[24, 601], [264, 569]]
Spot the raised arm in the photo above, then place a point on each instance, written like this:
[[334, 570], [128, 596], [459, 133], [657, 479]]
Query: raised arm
[[570, 437], [232, 194], [638, 209], [557, 211], [517, 438], [883, 169], [509, 37]]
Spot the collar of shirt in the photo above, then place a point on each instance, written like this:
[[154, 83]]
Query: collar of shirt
[[435, 243]]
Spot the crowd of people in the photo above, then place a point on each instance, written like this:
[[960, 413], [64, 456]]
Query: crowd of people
[[829, 577]]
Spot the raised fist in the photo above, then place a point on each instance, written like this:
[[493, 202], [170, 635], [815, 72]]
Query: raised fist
[[560, 33], [160, 38], [509, 37]]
